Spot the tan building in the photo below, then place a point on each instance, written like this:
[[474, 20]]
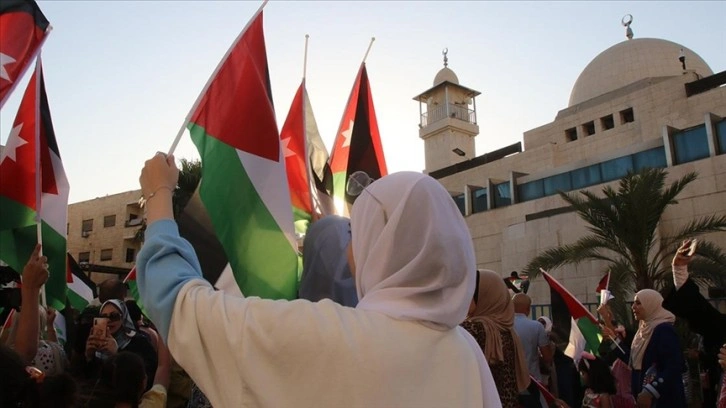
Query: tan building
[[103, 234], [634, 105]]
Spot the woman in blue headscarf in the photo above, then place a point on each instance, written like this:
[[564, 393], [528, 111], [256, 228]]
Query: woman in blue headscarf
[[326, 273]]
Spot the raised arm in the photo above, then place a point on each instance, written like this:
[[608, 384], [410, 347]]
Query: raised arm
[[35, 273]]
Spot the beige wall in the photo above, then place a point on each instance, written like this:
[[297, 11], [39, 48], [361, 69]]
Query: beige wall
[[505, 241], [118, 238]]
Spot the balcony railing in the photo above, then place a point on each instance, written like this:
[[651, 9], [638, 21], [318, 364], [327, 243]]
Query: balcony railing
[[448, 111]]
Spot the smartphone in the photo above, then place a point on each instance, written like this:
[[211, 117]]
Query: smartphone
[[99, 327], [692, 248]]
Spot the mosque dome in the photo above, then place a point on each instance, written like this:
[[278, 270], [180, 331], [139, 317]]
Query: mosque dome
[[630, 61], [446, 74]]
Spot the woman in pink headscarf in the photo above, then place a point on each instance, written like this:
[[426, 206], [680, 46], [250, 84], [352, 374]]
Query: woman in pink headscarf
[[655, 356]]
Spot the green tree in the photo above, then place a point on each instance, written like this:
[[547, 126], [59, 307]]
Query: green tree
[[190, 174], [623, 226]]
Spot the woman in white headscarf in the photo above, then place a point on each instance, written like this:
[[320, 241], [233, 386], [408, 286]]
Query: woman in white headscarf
[[401, 346], [656, 355]]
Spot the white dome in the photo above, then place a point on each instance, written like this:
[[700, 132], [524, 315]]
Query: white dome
[[630, 61], [446, 74]]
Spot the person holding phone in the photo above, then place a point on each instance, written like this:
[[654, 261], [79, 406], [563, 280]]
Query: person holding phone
[[686, 301], [113, 331]]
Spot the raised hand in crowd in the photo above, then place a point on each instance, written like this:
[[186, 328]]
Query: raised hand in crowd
[[35, 274]]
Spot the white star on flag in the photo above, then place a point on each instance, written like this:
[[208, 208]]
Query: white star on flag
[[5, 59], [14, 141], [347, 134], [288, 152]]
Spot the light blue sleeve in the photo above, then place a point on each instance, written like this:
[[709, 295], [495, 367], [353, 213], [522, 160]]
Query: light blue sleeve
[[165, 264]]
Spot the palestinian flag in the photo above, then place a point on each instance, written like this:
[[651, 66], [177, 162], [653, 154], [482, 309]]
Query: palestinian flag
[[81, 289], [357, 145], [244, 186], [130, 282], [19, 205], [23, 28], [603, 284], [300, 139], [572, 320]]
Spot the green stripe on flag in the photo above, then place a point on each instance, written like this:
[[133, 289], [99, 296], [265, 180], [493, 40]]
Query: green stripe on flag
[[591, 333], [15, 215], [263, 261], [17, 244]]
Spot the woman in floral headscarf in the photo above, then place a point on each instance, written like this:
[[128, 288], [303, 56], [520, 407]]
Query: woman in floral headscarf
[[492, 325]]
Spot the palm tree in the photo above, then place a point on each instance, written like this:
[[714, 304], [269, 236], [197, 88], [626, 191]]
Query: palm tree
[[624, 234]]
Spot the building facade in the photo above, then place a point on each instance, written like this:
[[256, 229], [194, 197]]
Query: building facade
[[105, 234], [635, 105]]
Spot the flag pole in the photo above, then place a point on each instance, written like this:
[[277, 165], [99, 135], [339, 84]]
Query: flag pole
[[7, 320], [22, 72], [305, 57], [211, 79], [368, 50], [308, 167], [126, 279], [38, 168]]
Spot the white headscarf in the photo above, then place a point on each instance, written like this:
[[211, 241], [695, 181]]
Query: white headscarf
[[413, 253]]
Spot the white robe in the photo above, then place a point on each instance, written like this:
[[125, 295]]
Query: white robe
[[262, 353]]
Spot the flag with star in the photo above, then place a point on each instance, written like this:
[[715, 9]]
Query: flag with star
[[19, 190], [244, 185], [23, 28], [357, 144], [306, 178]]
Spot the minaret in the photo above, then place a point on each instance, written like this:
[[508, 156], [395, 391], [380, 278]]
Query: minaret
[[448, 123]]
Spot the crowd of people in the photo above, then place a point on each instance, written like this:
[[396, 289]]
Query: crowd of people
[[392, 312]]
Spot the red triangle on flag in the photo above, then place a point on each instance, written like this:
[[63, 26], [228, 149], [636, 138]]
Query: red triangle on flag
[[17, 161], [23, 27], [239, 98]]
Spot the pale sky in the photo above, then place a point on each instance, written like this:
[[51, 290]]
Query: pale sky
[[121, 76]]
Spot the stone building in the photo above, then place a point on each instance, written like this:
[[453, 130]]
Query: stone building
[[635, 105], [103, 234]]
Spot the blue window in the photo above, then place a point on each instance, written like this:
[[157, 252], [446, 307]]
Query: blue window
[[586, 176], [721, 136], [558, 182], [653, 158], [460, 201], [690, 145], [616, 168], [479, 200], [530, 191], [502, 196]]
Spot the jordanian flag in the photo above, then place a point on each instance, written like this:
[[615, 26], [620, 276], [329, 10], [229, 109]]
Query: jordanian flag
[[19, 205], [244, 186], [572, 320], [300, 139], [23, 28], [81, 289], [357, 145]]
